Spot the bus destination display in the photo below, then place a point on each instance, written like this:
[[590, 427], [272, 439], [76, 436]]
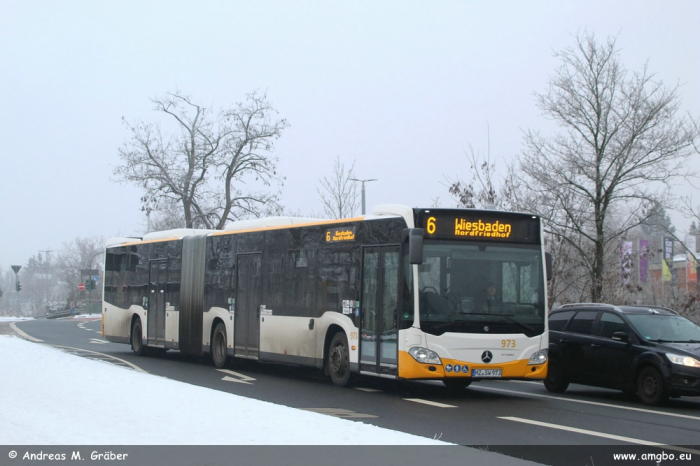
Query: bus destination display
[[335, 235], [445, 225]]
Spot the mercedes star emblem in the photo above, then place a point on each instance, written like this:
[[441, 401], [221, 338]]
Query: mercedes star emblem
[[486, 356]]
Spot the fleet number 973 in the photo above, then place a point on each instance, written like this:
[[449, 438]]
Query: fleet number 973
[[507, 343]]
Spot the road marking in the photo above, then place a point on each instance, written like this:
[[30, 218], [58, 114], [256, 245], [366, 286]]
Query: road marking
[[339, 412], [240, 378], [599, 434], [24, 335], [368, 390], [431, 403], [98, 341], [595, 403], [100, 356]]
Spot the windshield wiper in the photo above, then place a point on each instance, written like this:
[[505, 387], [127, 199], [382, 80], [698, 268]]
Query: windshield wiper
[[680, 341]]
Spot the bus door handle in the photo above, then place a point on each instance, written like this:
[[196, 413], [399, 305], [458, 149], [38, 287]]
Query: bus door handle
[[311, 324]]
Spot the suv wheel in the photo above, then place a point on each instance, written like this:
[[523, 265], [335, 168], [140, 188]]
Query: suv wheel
[[650, 386], [556, 380]]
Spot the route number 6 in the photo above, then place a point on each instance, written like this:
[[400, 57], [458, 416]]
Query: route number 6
[[431, 225]]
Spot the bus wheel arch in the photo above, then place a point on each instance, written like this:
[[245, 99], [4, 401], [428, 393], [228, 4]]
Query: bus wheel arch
[[219, 343], [137, 345]]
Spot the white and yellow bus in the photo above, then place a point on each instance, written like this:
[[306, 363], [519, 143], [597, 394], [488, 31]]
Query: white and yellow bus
[[402, 293]]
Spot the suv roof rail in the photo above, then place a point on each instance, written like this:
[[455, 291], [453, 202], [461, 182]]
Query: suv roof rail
[[590, 304], [652, 306]]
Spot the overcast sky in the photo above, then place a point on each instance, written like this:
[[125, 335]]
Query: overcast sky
[[401, 87]]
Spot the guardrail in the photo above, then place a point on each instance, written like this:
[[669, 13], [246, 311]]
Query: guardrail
[[59, 314]]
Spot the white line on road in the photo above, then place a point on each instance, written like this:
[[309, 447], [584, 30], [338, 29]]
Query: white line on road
[[24, 335], [595, 403], [431, 403], [599, 434], [368, 390], [240, 378]]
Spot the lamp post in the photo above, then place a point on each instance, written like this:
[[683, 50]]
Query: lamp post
[[47, 273], [363, 190]]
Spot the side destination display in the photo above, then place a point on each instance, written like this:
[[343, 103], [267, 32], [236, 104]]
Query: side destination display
[[334, 235], [479, 226]]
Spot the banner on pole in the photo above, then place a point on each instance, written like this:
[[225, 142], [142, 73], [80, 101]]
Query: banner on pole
[[691, 262], [626, 262], [643, 260]]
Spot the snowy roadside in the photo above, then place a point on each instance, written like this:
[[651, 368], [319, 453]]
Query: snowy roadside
[[50, 397]]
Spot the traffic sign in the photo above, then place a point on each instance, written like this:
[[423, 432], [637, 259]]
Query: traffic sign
[[81, 286]]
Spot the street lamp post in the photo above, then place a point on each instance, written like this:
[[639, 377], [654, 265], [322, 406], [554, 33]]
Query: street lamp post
[[47, 273], [363, 191]]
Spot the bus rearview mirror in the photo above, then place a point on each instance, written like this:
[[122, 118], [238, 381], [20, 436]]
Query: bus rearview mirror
[[415, 246]]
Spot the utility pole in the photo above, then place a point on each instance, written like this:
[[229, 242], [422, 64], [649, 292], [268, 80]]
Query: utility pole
[[363, 190]]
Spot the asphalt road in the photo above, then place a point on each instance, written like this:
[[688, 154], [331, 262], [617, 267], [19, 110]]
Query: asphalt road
[[518, 418]]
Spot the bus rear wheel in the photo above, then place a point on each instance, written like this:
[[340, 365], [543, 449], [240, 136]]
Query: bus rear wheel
[[137, 338], [218, 346], [338, 363]]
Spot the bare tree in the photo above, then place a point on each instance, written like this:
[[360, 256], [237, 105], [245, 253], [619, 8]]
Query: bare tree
[[81, 253], [208, 163], [621, 145], [338, 193], [482, 189]]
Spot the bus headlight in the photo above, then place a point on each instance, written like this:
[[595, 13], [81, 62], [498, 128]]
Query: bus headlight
[[683, 360], [539, 357], [424, 355]]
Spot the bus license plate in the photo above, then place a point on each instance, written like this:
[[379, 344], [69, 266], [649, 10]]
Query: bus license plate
[[486, 372]]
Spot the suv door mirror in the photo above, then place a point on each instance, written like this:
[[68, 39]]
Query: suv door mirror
[[620, 336]]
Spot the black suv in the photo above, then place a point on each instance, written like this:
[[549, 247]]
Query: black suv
[[647, 350]]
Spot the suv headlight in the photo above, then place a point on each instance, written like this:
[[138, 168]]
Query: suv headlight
[[539, 357], [424, 355], [683, 360]]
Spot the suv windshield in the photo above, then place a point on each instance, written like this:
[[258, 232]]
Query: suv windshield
[[665, 328], [481, 288]]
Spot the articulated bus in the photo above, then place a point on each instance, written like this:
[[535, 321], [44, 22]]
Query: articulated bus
[[412, 294]]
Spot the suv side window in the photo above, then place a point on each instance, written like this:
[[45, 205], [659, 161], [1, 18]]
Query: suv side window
[[558, 320], [583, 322], [610, 323]]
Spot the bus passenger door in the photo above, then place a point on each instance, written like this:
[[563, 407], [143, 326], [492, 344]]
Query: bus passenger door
[[379, 306], [157, 281], [248, 301]]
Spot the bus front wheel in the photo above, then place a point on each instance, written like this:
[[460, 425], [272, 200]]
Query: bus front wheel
[[137, 338], [338, 363]]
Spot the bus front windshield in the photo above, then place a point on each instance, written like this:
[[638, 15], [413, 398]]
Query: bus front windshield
[[481, 288]]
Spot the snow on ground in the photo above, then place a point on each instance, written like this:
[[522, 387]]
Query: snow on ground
[[50, 397]]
